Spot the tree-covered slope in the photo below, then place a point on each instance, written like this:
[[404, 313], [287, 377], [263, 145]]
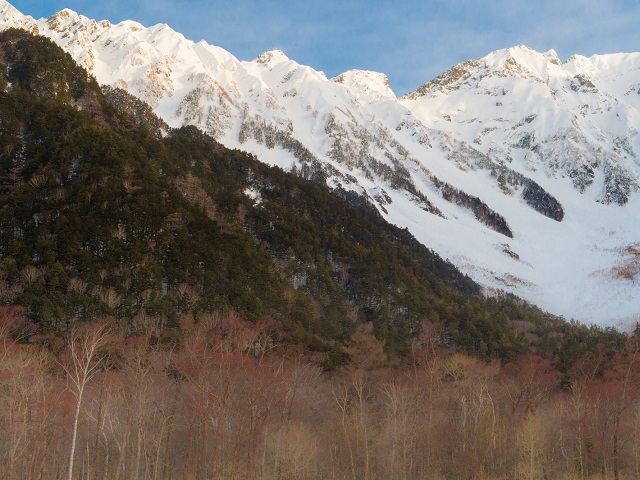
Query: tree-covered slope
[[101, 218]]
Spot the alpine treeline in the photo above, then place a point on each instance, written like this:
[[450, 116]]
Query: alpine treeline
[[109, 216], [102, 216]]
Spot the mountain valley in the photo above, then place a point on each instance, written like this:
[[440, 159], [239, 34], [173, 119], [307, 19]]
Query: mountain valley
[[519, 168]]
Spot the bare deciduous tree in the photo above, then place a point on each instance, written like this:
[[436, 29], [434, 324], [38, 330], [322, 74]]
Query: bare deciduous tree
[[82, 359]]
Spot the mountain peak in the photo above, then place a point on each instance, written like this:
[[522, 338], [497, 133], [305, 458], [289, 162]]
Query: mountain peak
[[518, 61], [7, 7], [271, 58], [63, 14], [521, 61], [525, 53], [365, 82], [11, 17]]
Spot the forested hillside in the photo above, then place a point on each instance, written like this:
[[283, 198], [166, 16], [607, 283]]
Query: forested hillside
[[102, 218]]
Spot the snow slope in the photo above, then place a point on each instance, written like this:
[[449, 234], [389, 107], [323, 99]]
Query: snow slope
[[519, 168]]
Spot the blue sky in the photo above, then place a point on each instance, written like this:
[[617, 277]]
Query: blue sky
[[411, 41]]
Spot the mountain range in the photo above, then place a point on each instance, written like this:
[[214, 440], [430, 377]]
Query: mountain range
[[519, 168]]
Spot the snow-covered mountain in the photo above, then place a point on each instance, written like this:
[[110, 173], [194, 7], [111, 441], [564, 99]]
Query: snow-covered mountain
[[522, 169]]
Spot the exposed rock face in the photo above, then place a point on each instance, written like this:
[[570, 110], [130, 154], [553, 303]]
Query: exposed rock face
[[575, 119]]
